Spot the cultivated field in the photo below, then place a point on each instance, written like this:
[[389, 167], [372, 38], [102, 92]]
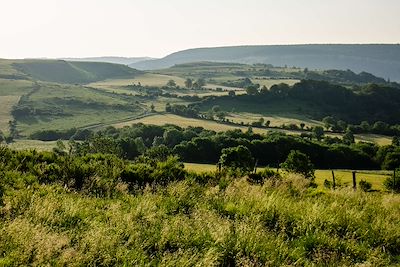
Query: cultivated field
[[148, 79], [162, 119]]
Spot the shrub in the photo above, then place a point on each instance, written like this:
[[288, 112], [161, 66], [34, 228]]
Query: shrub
[[365, 186], [327, 184], [167, 171], [393, 183], [260, 177], [202, 177]]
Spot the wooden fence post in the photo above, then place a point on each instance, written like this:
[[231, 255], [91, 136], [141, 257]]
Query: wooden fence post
[[354, 181], [255, 166], [333, 180]]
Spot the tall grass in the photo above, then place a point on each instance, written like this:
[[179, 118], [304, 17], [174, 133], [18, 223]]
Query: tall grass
[[187, 224]]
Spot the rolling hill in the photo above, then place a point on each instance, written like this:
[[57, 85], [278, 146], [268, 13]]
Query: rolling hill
[[111, 59], [72, 72], [61, 71], [379, 59]]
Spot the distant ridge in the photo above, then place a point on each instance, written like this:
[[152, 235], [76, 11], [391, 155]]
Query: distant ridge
[[379, 59], [62, 71], [114, 60]]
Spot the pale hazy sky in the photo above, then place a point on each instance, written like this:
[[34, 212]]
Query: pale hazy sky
[[78, 28]]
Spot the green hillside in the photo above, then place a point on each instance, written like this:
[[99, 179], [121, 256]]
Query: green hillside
[[72, 72], [224, 73]]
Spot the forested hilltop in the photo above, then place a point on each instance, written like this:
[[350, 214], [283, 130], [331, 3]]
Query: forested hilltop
[[380, 59]]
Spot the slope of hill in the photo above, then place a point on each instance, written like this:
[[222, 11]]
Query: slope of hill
[[224, 73], [71, 72], [379, 59], [114, 60]]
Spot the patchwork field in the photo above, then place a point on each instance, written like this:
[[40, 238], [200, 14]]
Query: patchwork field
[[161, 119], [148, 79], [276, 121]]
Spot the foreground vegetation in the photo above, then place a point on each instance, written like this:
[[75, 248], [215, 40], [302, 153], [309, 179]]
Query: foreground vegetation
[[343, 177], [100, 210]]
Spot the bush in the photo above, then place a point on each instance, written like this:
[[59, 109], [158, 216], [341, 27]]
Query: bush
[[202, 177], [327, 184], [393, 183], [260, 177], [365, 186]]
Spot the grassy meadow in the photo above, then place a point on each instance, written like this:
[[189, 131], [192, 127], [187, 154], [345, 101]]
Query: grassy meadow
[[148, 79], [67, 106], [22, 144], [231, 223]]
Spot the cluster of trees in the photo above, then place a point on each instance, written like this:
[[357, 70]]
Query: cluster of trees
[[378, 127], [319, 99], [97, 174], [195, 84], [343, 77], [182, 110], [54, 135], [195, 144], [240, 83]]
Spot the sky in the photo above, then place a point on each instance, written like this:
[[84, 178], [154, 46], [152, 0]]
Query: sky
[[155, 28]]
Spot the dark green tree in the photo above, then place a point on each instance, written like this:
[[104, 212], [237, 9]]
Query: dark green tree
[[172, 137], [188, 83], [237, 158], [348, 137], [171, 83], [391, 161], [264, 90], [396, 141], [220, 115], [329, 122], [252, 89], [318, 132], [298, 162]]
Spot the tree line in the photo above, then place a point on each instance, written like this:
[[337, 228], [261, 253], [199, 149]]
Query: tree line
[[198, 145]]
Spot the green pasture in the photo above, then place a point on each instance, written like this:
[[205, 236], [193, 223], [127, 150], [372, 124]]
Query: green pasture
[[343, 177]]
